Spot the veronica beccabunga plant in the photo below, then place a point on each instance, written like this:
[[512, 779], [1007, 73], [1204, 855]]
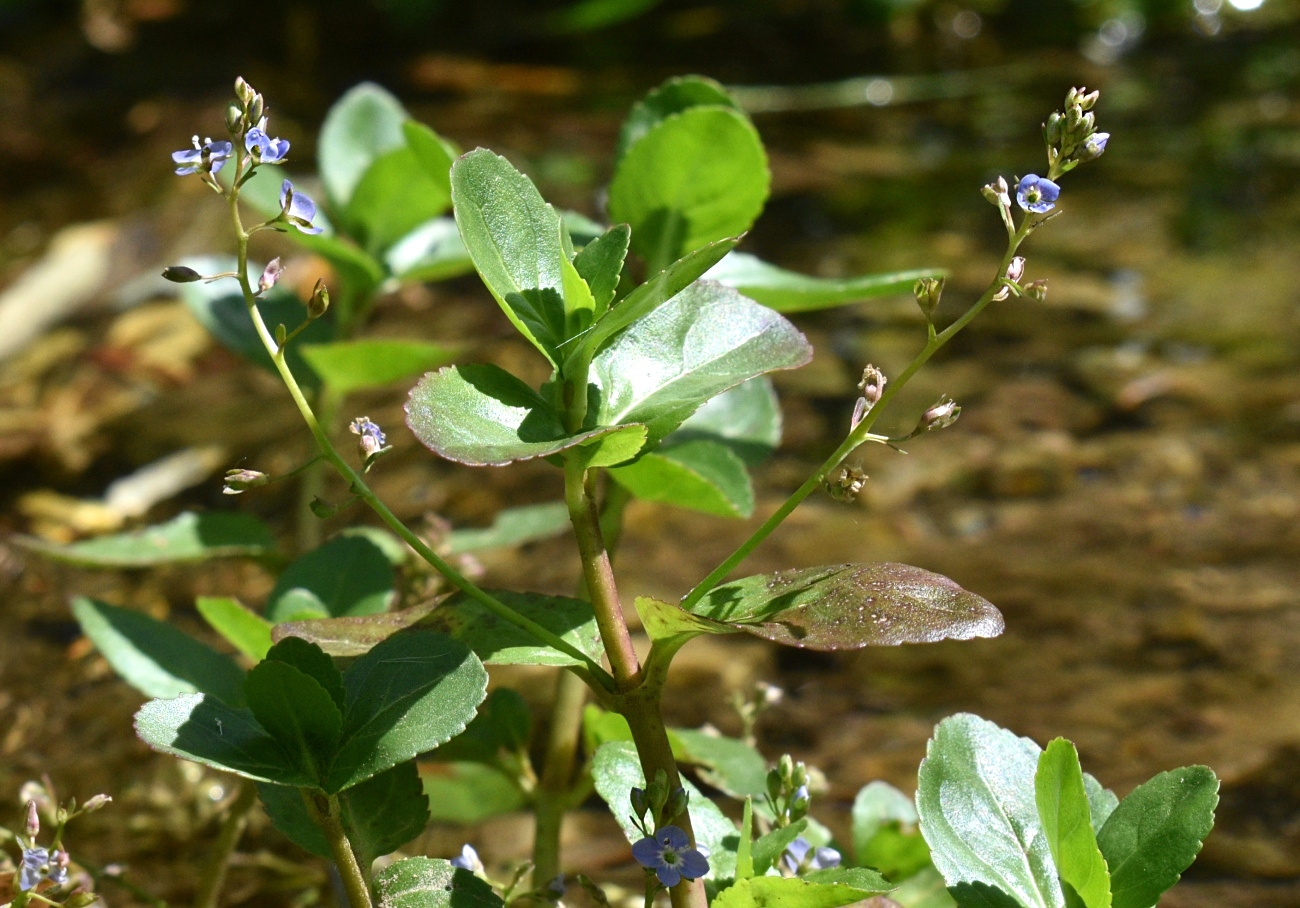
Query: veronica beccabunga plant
[[658, 335]]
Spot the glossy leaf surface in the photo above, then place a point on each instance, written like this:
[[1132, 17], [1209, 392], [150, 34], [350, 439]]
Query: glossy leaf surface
[[247, 631], [1156, 832], [847, 606], [428, 883], [600, 264], [481, 415], [703, 341], [347, 366], [155, 658], [698, 475], [348, 575], [975, 797], [790, 291], [189, 536], [1063, 810]]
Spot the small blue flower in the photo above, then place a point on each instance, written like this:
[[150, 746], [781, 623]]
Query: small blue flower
[[371, 442], [468, 860], [1093, 146], [797, 851], [298, 208], [205, 157], [1037, 194], [669, 854], [35, 867], [263, 148]]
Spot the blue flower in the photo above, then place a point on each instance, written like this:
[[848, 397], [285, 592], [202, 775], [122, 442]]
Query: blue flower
[[468, 860], [796, 853], [669, 854], [297, 208], [35, 867], [1093, 146], [1037, 194], [205, 157], [263, 148]]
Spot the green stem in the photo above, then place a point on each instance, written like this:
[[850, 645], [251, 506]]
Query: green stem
[[326, 812], [598, 676], [312, 484], [555, 791], [861, 431], [232, 829]]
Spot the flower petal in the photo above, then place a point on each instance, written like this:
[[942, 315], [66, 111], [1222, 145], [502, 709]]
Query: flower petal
[[693, 865], [648, 853], [668, 876], [673, 837]]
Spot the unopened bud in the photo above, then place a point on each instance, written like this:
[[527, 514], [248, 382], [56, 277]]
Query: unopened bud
[[270, 275], [322, 508], [33, 827], [800, 801], [1089, 100], [1093, 146], [785, 766], [371, 441], [1052, 130], [799, 778], [235, 118], [771, 694], [1016, 269], [179, 274], [872, 385], [675, 806], [1036, 290], [243, 91], [98, 802], [927, 291], [998, 192], [320, 300], [281, 335], [237, 481], [639, 803], [940, 416], [255, 109]]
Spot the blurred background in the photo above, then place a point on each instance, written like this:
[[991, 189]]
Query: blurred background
[[1124, 482]]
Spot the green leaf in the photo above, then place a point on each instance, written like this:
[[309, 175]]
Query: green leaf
[[1156, 832], [848, 606], [693, 178], [616, 770], [395, 195], [380, 815], [201, 728], [432, 251], [348, 575], [975, 797], [645, 299], [728, 764], [703, 341], [498, 643], [862, 878], [600, 263], [247, 631], [792, 892], [467, 793], [361, 127], [885, 832], [925, 889], [220, 308], [406, 696], [1101, 801], [434, 153], [513, 236], [768, 848], [430, 883], [481, 415], [312, 661], [1064, 813], [672, 97], [512, 527], [186, 537], [155, 658], [590, 15], [699, 475], [500, 730], [666, 623], [347, 366], [789, 291], [297, 712], [747, 419]]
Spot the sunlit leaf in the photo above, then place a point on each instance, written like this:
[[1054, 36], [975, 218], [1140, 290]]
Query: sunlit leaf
[[434, 153], [789, 291], [512, 527], [433, 251], [698, 475], [792, 892], [1066, 819], [672, 97], [363, 125], [347, 366], [394, 195], [601, 264], [846, 606], [747, 419], [428, 883], [728, 764], [189, 536], [247, 631]]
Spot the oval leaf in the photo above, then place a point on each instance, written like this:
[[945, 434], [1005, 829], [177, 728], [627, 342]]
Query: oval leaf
[[774, 891], [186, 537], [430, 883], [699, 475], [433, 251], [789, 291], [1067, 820], [672, 97], [247, 631], [512, 527], [362, 125], [348, 366], [847, 606], [298, 712], [348, 575]]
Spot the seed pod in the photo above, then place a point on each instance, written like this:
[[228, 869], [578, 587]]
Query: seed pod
[[179, 274]]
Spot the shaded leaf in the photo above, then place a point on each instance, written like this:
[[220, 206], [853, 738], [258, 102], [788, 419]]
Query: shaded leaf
[[767, 849], [886, 835], [975, 797], [297, 712], [1156, 832], [694, 177], [1101, 801], [497, 642], [698, 475], [186, 537], [203, 729], [395, 195], [434, 153], [247, 631], [501, 728], [348, 366], [363, 125], [1066, 819], [981, 895], [665, 622], [925, 889], [429, 883], [673, 96], [789, 291], [481, 415], [348, 575], [703, 341], [432, 251], [728, 764], [847, 606], [312, 661], [155, 658], [747, 419], [616, 769], [512, 527], [467, 793], [380, 815], [405, 697]]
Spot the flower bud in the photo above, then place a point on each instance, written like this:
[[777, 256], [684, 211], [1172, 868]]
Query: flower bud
[[243, 91], [281, 335], [799, 778], [775, 785], [98, 802], [322, 508], [927, 291], [1088, 101], [1016, 269], [320, 300], [238, 481], [270, 275], [371, 442], [235, 119], [179, 274], [785, 766], [33, 827], [800, 801], [255, 108], [1036, 290], [940, 416], [639, 803], [1052, 130], [1093, 146], [675, 806]]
